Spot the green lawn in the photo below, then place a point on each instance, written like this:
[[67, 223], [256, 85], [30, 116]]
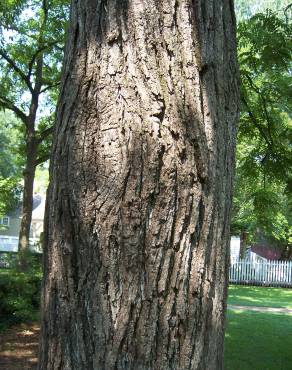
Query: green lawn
[[258, 341], [260, 296], [255, 340]]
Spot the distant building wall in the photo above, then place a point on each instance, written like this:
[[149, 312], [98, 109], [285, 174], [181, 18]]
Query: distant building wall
[[10, 244], [234, 248], [13, 228]]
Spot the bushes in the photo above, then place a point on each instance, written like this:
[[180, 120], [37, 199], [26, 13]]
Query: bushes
[[20, 294]]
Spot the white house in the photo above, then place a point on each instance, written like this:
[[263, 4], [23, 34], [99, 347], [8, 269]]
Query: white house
[[10, 225]]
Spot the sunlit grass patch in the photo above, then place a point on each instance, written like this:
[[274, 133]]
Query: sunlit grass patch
[[258, 341], [260, 296]]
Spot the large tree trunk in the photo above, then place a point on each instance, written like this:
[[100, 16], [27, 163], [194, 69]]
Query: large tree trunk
[[137, 223]]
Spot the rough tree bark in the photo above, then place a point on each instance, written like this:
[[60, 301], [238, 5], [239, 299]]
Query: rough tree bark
[[137, 222]]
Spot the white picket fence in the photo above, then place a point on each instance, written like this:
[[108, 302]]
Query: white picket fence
[[270, 273]]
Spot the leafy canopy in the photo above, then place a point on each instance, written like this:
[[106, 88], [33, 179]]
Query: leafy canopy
[[264, 152], [31, 51], [10, 162]]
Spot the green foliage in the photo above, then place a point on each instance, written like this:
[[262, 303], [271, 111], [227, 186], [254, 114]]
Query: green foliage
[[264, 53], [10, 162], [35, 30], [10, 192], [9, 9], [11, 141], [262, 202], [31, 51], [32, 36], [20, 294], [245, 9]]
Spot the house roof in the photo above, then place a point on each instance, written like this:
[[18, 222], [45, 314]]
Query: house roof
[[269, 252]]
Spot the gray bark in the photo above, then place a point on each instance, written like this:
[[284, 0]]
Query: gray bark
[[137, 220]]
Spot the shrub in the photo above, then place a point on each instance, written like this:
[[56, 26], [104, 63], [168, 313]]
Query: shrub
[[19, 294]]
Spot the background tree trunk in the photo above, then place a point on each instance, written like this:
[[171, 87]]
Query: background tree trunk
[[30, 166], [243, 244], [137, 220], [27, 199]]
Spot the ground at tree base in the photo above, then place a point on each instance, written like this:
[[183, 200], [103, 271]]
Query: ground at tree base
[[19, 347], [19, 344]]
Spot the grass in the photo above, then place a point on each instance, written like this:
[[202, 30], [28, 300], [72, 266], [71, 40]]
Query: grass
[[258, 341], [253, 340], [260, 296]]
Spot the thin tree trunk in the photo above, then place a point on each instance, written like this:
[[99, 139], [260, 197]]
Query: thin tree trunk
[[243, 244], [31, 163], [27, 201], [137, 221], [287, 253]]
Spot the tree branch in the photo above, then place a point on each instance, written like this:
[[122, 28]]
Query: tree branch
[[257, 125], [287, 8], [38, 57], [264, 105], [42, 159], [44, 134], [50, 87], [38, 51], [12, 64], [16, 29], [6, 103]]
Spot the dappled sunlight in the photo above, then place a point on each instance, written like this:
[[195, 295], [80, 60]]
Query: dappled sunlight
[[260, 296], [19, 347]]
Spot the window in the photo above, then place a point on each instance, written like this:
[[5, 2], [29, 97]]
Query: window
[[4, 221]]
